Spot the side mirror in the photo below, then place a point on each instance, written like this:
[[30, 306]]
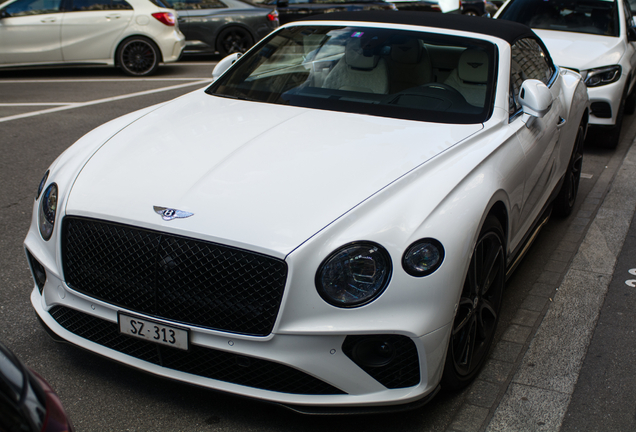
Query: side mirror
[[535, 98], [224, 65], [631, 34]]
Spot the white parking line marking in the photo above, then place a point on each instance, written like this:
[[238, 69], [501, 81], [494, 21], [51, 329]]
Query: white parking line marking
[[99, 101], [40, 81], [37, 104]]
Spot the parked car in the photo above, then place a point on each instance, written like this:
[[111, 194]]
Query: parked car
[[417, 5], [595, 38], [335, 226], [293, 10], [478, 8], [27, 401], [223, 26], [135, 35]]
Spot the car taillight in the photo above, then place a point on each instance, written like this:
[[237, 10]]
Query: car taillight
[[55, 419], [273, 15], [166, 18]]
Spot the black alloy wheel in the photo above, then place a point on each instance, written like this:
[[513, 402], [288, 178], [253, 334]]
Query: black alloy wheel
[[233, 40], [614, 133], [138, 56], [478, 309], [564, 202]]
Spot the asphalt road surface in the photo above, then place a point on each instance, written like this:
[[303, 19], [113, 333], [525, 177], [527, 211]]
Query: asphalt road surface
[[42, 112]]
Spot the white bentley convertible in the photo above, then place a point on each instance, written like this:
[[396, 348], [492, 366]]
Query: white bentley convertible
[[329, 225]]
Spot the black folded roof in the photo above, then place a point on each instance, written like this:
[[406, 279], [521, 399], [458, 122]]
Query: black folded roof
[[507, 30]]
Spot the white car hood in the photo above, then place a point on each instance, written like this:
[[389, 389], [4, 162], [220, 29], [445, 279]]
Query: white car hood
[[582, 51], [260, 176]]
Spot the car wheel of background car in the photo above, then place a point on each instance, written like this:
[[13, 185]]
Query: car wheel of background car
[[614, 133], [478, 309], [630, 103], [138, 56], [564, 202], [233, 40]]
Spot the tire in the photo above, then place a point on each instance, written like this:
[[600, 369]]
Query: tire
[[233, 40], [614, 132], [138, 56], [477, 313], [630, 103], [564, 202]]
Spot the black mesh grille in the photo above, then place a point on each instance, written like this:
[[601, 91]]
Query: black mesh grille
[[209, 363], [177, 278], [403, 370]]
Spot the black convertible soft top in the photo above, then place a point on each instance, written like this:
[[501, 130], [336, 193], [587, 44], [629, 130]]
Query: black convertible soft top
[[507, 30]]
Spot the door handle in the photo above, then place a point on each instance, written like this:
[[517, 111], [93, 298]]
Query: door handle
[[48, 20], [113, 16], [561, 122]]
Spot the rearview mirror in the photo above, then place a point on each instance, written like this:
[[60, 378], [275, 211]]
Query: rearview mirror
[[535, 98], [224, 65]]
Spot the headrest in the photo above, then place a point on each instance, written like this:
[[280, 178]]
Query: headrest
[[355, 55], [408, 52], [473, 66]]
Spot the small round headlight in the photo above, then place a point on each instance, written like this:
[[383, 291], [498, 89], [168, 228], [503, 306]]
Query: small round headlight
[[354, 275], [42, 183], [48, 209], [423, 257]]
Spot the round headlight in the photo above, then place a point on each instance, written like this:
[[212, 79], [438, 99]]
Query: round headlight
[[42, 183], [354, 275], [48, 208], [423, 257]]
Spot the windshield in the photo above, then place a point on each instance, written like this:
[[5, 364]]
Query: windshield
[[383, 72], [581, 16]]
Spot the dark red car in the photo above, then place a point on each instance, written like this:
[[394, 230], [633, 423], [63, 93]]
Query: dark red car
[[27, 401]]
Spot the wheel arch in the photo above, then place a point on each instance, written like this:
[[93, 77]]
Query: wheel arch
[[141, 35], [244, 26]]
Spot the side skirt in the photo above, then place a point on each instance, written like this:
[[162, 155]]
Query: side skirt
[[517, 255]]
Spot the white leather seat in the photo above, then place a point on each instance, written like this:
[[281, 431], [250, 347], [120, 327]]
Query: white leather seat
[[471, 76], [358, 72]]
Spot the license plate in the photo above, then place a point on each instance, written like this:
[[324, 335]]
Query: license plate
[[152, 331]]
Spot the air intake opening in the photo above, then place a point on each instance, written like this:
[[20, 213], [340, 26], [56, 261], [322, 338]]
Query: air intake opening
[[37, 271]]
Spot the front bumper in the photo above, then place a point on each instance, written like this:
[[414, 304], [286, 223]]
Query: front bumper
[[303, 370], [605, 103]]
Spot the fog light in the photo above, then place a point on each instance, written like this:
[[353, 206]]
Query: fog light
[[373, 352]]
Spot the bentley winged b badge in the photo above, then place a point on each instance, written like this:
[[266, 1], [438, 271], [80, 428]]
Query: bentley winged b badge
[[169, 213]]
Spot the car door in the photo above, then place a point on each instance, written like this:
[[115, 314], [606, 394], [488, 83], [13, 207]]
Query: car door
[[30, 32], [91, 28], [199, 20], [630, 49], [539, 137]]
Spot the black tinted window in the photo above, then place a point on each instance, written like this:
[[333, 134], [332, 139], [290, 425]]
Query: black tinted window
[[196, 4], [528, 62], [32, 7], [581, 16], [96, 5]]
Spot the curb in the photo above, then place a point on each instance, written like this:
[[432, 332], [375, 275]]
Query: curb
[[553, 328]]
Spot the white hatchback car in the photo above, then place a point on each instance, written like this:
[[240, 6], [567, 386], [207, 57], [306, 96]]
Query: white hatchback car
[[135, 35], [595, 38]]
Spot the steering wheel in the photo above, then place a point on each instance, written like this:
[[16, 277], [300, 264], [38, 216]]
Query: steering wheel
[[453, 92]]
